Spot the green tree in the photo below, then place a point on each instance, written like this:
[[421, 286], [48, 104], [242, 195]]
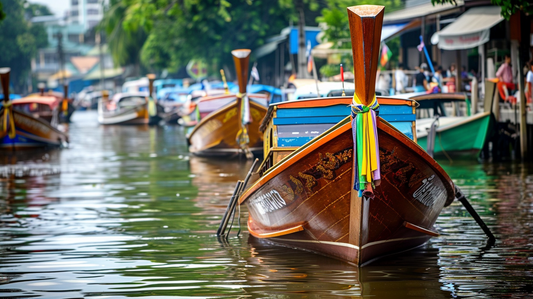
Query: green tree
[[36, 10], [2, 14], [334, 21], [509, 7], [178, 31], [125, 43], [19, 42]]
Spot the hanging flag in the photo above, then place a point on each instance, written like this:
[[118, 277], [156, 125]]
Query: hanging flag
[[386, 54], [421, 46], [342, 73], [255, 73], [309, 60]]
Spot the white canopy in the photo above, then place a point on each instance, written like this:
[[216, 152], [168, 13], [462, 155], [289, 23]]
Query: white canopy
[[470, 30]]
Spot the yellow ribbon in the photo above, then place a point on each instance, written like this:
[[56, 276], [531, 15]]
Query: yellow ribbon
[[64, 106], [366, 151], [8, 113]]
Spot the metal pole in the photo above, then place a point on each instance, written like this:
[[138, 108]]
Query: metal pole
[[101, 57]]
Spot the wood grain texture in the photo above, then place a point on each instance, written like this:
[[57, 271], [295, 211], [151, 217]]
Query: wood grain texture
[[241, 58], [31, 132], [216, 134], [314, 189], [365, 33]]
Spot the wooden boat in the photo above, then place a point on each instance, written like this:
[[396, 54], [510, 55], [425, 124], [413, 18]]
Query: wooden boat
[[123, 109], [23, 130], [457, 131], [314, 198], [129, 108], [48, 106], [229, 124]]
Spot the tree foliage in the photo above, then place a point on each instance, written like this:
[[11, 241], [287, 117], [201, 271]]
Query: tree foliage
[[178, 31], [37, 10], [125, 43], [509, 7], [2, 14], [334, 22], [19, 42]]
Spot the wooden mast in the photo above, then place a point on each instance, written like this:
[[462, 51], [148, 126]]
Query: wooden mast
[[241, 58], [365, 33], [151, 78], [4, 76]]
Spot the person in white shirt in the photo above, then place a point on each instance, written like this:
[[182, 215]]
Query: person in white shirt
[[401, 79]]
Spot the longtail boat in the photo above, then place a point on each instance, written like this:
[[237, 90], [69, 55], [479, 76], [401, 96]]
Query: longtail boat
[[123, 109], [23, 130], [457, 131], [129, 108], [50, 106], [357, 189], [229, 124]]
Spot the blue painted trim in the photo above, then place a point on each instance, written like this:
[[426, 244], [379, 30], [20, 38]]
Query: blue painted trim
[[339, 110], [308, 120]]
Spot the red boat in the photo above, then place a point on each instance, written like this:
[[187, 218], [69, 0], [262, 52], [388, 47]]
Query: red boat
[[311, 197]]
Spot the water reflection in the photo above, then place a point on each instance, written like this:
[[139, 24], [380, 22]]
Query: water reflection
[[130, 214]]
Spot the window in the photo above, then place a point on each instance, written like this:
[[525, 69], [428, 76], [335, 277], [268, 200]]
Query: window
[[92, 11], [92, 23], [74, 13], [74, 38], [91, 1], [74, 2]]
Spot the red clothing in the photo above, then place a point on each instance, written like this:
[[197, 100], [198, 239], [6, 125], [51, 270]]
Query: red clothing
[[510, 86]]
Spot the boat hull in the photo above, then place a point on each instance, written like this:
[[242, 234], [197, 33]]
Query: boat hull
[[132, 116], [306, 201], [467, 136], [31, 132], [216, 134]]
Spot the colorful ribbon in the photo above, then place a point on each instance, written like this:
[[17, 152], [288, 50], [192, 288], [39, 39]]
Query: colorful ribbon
[[8, 113], [242, 136], [365, 144], [64, 107]]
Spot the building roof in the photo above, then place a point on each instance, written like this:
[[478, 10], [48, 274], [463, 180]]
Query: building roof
[[84, 63]]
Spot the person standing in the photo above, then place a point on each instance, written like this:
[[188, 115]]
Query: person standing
[[505, 77], [401, 78], [421, 82], [529, 82]]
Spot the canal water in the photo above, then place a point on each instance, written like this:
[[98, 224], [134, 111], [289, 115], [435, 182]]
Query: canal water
[[126, 212]]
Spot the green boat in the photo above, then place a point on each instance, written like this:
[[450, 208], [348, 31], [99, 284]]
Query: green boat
[[457, 132]]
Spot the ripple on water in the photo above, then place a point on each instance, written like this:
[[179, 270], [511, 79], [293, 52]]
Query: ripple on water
[[130, 214]]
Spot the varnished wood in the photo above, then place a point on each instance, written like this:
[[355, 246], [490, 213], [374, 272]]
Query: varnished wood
[[4, 76], [420, 229], [322, 200], [241, 58], [365, 33], [215, 135], [313, 185], [30, 131]]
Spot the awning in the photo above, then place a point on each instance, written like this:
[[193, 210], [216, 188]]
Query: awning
[[326, 49], [470, 30], [95, 74], [266, 49], [422, 10], [389, 31]]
